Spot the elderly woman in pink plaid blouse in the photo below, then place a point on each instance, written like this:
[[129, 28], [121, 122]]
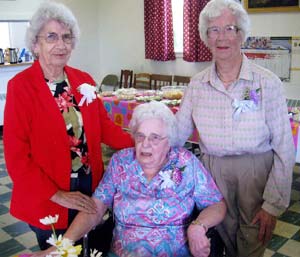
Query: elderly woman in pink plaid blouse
[[240, 112]]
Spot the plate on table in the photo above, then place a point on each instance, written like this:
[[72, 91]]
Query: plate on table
[[173, 102], [126, 93], [147, 98], [173, 92], [107, 93], [126, 97]]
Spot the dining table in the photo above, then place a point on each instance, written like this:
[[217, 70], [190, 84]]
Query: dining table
[[120, 112]]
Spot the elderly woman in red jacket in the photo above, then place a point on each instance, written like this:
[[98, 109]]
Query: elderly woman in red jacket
[[53, 128]]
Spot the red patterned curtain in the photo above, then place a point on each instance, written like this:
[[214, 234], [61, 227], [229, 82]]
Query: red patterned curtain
[[159, 42], [194, 50]]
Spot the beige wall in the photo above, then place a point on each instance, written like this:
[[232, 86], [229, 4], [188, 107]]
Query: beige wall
[[86, 56], [18, 9], [113, 37]]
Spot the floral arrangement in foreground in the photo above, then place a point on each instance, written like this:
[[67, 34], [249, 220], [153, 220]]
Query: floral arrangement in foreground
[[64, 246]]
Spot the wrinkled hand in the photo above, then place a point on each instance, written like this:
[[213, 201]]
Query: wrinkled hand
[[199, 244], [75, 200], [267, 224]]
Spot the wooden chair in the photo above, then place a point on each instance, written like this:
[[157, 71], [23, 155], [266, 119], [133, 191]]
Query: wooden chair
[[181, 80], [126, 78], [109, 83], [142, 80], [159, 80]]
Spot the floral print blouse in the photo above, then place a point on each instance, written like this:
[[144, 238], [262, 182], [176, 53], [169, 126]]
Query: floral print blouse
[[74, 125], [152, 216]]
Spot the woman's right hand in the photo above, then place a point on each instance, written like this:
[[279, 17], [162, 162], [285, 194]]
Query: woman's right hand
[[75, 200], [199, 244]]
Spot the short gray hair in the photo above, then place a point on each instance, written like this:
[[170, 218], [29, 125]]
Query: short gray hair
[[46, 12], [155, 110], [214, 8]]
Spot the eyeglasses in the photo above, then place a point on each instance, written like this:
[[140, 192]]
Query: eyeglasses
[[154, 139], [230, 31], [53, 37]]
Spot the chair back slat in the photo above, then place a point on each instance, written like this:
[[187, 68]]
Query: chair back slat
[[142, 80], [126, 78], [159, 80], [181, 80]]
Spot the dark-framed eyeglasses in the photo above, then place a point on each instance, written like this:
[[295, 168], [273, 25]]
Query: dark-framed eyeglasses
[[154, 139], [53, 37], [230, 31]]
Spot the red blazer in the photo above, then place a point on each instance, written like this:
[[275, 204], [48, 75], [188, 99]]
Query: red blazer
[[36, 145]]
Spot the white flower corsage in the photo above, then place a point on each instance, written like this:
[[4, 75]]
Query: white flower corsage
[[166, 178], [242, 106], [88, 93], [249, 102]]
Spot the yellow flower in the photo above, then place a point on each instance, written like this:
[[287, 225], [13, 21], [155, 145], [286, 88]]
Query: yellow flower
[[68, 251]]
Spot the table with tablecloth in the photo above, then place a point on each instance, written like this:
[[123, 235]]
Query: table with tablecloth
[[120, 112]]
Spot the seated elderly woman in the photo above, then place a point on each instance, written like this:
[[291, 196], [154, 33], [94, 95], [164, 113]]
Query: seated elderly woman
[[153, 189]]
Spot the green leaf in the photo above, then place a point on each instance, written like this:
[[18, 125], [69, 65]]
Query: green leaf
[[182, 168]]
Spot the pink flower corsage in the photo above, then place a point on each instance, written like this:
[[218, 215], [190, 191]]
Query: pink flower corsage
[[171, 178]]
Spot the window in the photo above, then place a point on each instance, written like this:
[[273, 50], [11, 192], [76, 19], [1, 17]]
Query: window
[[12, 34], [177, 12], [4, 32]]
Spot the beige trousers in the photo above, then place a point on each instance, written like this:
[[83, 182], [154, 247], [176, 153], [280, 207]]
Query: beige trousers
[[242, 180]]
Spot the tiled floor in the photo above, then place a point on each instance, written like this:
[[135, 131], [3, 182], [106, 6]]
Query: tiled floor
[[16, 237]]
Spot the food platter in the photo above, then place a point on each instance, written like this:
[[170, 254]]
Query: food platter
[[173, 92], [169, 95], [126, 93]]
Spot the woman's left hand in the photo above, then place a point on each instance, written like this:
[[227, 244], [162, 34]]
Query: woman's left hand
[[75, 200], [199, 244], [267, 223]]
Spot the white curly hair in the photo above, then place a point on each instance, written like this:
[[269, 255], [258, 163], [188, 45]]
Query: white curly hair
[[46, 12], [214, 8], [155, 110]]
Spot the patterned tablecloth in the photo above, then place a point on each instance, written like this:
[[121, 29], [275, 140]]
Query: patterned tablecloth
[[120, 112]]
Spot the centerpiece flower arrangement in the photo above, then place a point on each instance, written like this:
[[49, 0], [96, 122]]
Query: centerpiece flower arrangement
[[64, 246]]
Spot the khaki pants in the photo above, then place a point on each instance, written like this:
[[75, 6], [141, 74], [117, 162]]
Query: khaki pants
[[242, 180]]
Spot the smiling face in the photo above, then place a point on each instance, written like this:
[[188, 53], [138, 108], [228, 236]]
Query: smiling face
[[53, 55], [151, 156], [226, 46]]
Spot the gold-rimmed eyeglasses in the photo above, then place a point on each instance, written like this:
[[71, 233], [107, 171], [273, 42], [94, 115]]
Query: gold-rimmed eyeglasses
[[154, 139], [229, 31], [53, 37]]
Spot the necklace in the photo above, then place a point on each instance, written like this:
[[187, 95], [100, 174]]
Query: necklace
[[226, 81]]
